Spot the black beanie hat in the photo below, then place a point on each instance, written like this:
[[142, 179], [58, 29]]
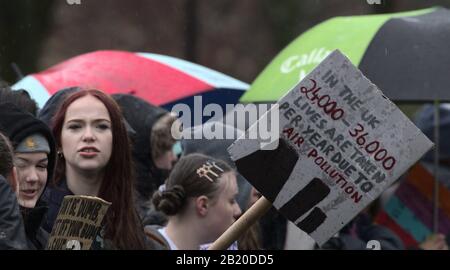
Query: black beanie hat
[[18, 125]]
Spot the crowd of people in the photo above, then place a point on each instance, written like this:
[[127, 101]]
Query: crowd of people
[[164, 193]]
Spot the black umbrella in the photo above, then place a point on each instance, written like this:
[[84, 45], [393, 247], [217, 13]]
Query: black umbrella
[[405, 54]]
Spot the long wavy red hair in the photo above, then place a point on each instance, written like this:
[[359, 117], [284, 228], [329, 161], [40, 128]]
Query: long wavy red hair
[[122, 223]]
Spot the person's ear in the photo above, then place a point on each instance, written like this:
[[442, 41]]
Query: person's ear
[[202, 205]]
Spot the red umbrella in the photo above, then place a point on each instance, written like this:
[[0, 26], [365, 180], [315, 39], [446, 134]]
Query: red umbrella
[[161, 80]]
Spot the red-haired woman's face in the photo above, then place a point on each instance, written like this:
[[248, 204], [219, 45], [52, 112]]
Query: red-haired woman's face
[[86, 135]]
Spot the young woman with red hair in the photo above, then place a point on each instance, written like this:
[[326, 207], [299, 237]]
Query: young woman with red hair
[[94, 159]]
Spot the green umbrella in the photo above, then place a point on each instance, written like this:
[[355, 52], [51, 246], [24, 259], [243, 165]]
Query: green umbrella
[[405, 54]]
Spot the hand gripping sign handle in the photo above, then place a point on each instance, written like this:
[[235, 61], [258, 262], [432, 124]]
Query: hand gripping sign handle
[[255, 212]]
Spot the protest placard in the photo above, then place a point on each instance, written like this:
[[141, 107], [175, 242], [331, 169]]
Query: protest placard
[[78, 222], [342, 142]]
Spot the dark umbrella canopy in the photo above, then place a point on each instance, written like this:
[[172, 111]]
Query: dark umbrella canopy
[[409, 57], [405, 54]]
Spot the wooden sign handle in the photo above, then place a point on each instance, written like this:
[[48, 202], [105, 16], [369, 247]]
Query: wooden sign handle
[[250, 216]]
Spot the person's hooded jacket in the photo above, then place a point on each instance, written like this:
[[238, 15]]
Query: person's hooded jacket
[[216, 148], [50, 108], [425, 121], [17, 125], [356, 235], [141, 117], [12, 229]]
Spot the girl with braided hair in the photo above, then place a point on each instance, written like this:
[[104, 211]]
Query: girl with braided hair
[[199, 199]]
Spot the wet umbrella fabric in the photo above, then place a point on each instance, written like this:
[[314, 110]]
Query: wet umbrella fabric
[[404, 54], [159, 79]]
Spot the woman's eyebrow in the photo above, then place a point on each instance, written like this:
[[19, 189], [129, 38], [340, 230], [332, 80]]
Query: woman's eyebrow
[[77, 120], [22, 159], [101, 120]]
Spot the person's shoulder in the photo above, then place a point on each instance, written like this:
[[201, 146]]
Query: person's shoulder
[[54, 194], [53, 197], [154, 239]]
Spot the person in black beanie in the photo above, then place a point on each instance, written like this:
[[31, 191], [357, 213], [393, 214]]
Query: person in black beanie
[[34, 151]]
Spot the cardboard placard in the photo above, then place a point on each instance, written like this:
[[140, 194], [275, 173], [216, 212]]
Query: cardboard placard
[[342, 142], [78, 222]]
